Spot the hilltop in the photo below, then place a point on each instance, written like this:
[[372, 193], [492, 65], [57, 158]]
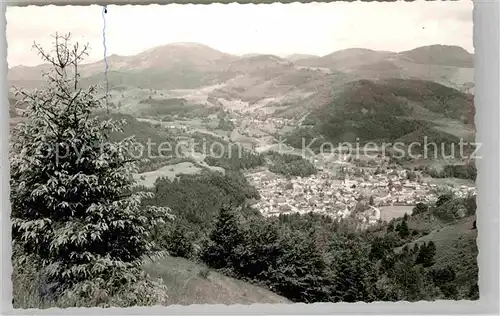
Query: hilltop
[[444, 55], [182, 65], [449, 65], [346, 59]]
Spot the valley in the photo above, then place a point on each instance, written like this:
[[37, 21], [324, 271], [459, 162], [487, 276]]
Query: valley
[[271, 140], [265, 103]]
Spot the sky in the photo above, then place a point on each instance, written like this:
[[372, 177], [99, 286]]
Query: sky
[[280, 29]]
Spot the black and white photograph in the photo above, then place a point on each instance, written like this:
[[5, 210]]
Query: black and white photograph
[[242, 153]]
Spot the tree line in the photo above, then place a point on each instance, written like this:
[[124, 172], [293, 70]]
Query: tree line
[[290, 165]]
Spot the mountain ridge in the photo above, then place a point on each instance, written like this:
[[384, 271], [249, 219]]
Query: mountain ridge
[[263, 84], [292, 55]]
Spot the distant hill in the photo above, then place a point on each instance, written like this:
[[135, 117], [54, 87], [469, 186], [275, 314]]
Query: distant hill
[[346, 59], [142, 131], [444, 55], [27, 77], [170, 56], [393, 110], [297, 57], [250, 55], [253, 63], [449, 65], [263, 84], [175, 65], [196, 64]]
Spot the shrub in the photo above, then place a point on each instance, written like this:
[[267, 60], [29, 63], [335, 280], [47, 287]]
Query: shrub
[[178, 244], [204, 273], [419, 209], [426, 254], [218, 253]]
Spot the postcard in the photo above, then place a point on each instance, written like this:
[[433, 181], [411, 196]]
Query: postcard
[[242, 154]]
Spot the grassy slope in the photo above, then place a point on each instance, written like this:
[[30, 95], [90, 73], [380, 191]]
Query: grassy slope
[[188, 283], [455, 245], [177, 77], [142, 132]]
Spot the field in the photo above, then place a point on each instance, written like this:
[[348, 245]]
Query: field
[[389, 212], [450, 181], [171, 171]]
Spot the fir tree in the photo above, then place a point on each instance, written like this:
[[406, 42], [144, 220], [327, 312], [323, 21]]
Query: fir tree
[[403, 230], [260, 249], [444, 198], [431, 249], [378, 248], [411, 282], [354, 273], [426, 254], [443, 275], [73, 209], [390, 226], [178, 243], [219, 252], [419, 209], [300, 273]]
